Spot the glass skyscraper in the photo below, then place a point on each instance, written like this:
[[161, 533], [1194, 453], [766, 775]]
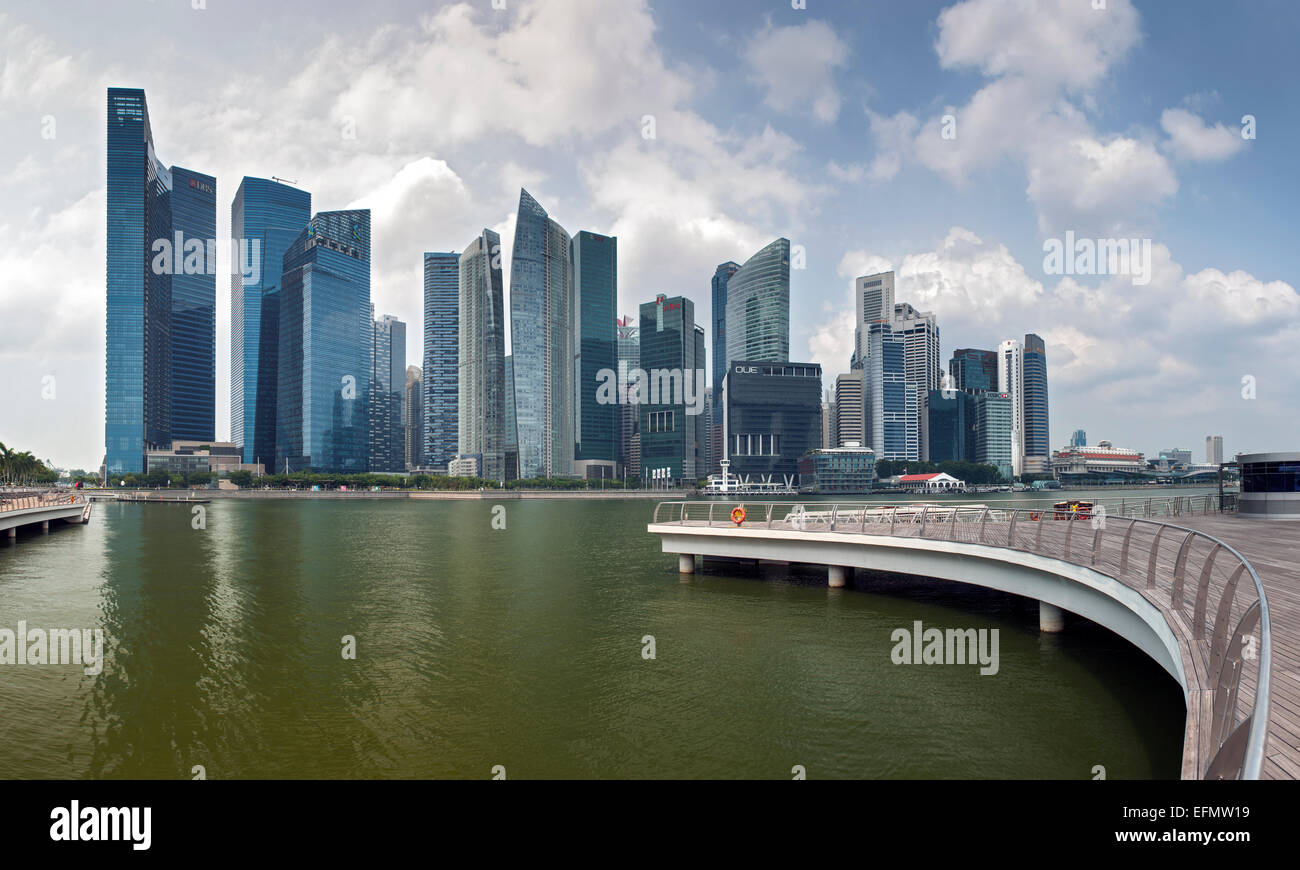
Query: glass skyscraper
[[481, 414], [595, 308], [541, 342], [773, 417], [441, 358], [413, 416], [323, 408], [973, 370], [992, 429], [194, 307], [758, 307], [721, 278], [951, 426], [387, 385], [265, 217], [140, 316], [892, 402], [670, 342], [629, 358], [1038, 446], [511, 430]]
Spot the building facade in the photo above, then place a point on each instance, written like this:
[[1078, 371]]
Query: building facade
[[629, 415], [1038, 442], [850, 414], [387, 395], [541, 342], [265, 217], [323, 408], [758, 307], [850, 469], [481, 414], [595, 308], [773, 416], [672, 353], [441, 369], [951, 426], [413, 417], [721, 277], [1011, 380], [993, 431]]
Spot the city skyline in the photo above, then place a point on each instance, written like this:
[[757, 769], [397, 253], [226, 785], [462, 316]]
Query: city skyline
[[767, 156]]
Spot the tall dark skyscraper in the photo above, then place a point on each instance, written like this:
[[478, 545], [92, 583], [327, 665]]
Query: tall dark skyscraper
[[441, 357], [194, 307], [387, 387], [481, 412], [1038, 445], [721, 277], [323, 405], [265, 217], [140, 314], [595, 307], [670, 342], [413, 416], [974, 370], [541, 341]]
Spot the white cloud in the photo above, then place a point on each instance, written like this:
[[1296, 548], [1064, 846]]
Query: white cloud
[[796, 67], [1192, 139]]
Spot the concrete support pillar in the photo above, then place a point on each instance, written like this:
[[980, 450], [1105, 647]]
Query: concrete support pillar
[[45, 527], [686, 563], [837, 576], [1050, 617], [13, 532]]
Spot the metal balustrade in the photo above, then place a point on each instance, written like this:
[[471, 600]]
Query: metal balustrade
[[25, 501], [1195, 578]]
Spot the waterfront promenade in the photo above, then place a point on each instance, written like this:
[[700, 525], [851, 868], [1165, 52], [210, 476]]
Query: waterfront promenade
[[1175, 576], [24, 508]]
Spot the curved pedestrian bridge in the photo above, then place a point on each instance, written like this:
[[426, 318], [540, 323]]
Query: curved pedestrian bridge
[[1170, 575], [28, 507]]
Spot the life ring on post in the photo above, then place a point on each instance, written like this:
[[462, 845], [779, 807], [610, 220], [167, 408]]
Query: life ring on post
[[1033, 515], [738, 515]]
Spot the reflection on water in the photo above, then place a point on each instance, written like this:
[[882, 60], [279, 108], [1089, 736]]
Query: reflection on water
[[522, 647]]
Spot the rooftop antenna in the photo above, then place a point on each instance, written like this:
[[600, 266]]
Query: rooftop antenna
[[284, 180]]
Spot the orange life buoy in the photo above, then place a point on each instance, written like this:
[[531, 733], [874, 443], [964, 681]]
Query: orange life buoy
[[1033, 516], [738, 515]]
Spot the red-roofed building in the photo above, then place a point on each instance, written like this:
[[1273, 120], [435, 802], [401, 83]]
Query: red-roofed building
[[930, 482]]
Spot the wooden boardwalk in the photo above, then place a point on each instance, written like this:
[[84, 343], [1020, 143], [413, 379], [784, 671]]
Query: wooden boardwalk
[[1273, 548]]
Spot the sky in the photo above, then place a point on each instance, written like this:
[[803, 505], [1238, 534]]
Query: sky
[[948, 141]]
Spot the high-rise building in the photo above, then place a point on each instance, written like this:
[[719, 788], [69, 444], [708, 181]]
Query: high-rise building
[[721, 277], [265, 217], [1038, 446], [160, 292], [323, 407], [758, 307], [511, 435], [481, 414], [892, 425], [194, 306], [441, 369], [920, 333], [629, 358], [1079, 438], [828, 421], [873, 297], [1214, 449], [541, 339], [1011, 380], [850, 413], [993, 431], [950, 426], [595, 310], [672, 350], [772, 418], [413, 417], [387, 388], [973, 370]]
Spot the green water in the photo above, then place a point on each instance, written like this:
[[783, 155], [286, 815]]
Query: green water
[[522, 647]]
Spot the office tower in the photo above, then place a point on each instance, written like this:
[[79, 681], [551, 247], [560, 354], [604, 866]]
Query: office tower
[[891, 401], [511, 435], [1214, 449], [629, 358], [873, 297], [721, 277], [920, 334], [773, 417], [159, 293], [387, 388], [1011, 380], [850, 413], [705, 432], [973, 370], [1079, 438], [700, 391], [595, 311], [323, 407], [1038, 447], [950, 426], [541, 339], [993, 431], [413, 417], [828, 422], [194, 306], [481, 411], [441, 369], [671, 347], [758, 307], [265, 217]]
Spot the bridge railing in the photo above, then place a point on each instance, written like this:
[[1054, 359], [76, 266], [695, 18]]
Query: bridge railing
[[18, 501], [1211, 595]]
